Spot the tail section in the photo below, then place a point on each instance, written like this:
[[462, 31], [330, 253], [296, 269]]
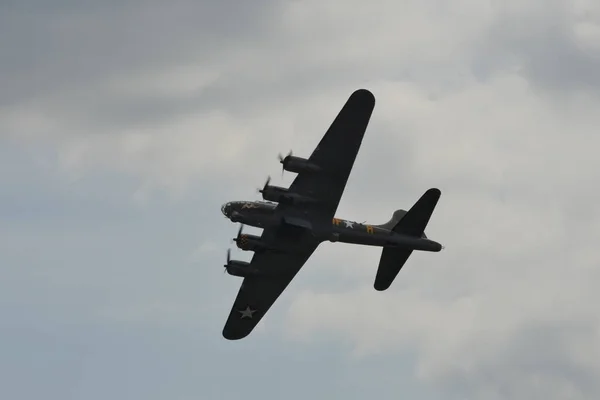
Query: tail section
[[412, 223]]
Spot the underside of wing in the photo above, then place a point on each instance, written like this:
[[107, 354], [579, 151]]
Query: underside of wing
[[259, 292], [334, 156]]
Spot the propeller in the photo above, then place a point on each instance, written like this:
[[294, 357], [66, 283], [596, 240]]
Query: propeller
[[282, 158], [265, 186], [235, 239], [282, 161], [228, 259]]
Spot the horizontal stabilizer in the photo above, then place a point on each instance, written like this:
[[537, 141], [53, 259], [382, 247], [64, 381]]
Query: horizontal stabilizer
[[413, 223], [391, 262]]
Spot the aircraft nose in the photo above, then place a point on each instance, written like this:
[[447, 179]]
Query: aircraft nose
[[225, 209]]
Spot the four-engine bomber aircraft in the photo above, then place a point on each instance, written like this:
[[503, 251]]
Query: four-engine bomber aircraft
[[296, 220]]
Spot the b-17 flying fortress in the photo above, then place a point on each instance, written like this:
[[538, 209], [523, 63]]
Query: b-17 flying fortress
[[297, 219]]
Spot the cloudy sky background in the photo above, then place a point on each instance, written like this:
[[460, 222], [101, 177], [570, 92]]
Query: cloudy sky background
[[124, 127]]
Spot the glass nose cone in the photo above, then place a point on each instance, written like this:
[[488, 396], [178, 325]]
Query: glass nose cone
[[225, 209]]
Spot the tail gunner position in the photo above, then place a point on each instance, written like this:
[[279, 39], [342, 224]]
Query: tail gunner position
[[297, 219]]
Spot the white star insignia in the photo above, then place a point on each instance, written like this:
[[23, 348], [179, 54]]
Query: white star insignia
[[247, 313], [349, 224]]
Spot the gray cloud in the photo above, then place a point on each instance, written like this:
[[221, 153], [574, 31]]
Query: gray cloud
[[74, 47], [543, 41]]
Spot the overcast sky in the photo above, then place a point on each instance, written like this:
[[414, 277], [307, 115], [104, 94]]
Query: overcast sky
[[125, 125]]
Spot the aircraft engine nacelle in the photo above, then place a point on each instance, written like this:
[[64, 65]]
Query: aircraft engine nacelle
[[240, 268], [298, 164], [250, 243], [274, 193], [283, 195]]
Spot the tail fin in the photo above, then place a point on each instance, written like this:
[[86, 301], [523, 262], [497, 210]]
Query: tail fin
[[413, 223], [396, 217]]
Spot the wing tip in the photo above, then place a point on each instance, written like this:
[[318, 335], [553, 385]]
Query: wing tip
[[363, 95], [381, 286], [230, 334], [434, 192]]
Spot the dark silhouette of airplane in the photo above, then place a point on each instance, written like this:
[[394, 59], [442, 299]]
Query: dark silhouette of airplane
[[296, 220]]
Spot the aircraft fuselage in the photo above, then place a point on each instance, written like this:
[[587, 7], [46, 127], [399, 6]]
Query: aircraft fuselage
[[262, 215]]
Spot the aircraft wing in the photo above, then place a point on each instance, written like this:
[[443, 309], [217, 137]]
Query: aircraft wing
[[335, 155], [258, 293]]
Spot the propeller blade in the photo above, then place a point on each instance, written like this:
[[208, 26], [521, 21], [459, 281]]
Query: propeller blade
[[235, 239], [266, 184], [228, 259], [282, 161], [282, 158]]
